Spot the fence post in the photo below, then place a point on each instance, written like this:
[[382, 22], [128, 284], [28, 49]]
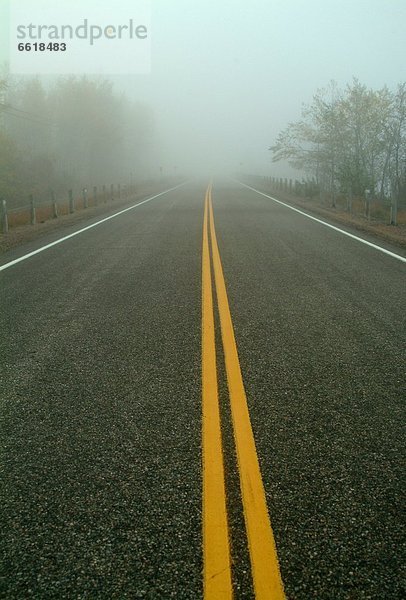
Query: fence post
[[119, 191], [71, 202], [54, 205], [394, 210], [4, 216], [349, 202], [33, 211], [290, 186], [85, 200], [368, 204], [95, 195], [104, 194], [112, 191]]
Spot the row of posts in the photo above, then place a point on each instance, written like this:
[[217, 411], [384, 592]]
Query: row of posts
[[303, 188], [298, 188], [71, 203], [282, 184]]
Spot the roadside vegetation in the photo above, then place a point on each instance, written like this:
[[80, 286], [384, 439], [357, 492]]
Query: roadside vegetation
[[75, 133], [351, 145]]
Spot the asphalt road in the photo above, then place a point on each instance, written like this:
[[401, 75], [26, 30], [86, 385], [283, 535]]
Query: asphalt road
[[101, 408]]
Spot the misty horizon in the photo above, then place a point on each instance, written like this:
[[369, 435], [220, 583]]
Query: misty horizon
[[226, 79]]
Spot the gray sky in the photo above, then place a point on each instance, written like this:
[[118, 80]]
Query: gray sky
[[227, 76]]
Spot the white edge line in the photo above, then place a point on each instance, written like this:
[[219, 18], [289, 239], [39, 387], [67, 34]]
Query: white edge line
[[66, 237], [301, 212]]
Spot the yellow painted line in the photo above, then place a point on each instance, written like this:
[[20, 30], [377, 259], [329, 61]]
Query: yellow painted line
[[216, 550], [264, 561]]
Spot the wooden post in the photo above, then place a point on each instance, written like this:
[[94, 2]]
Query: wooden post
[[54, 205], [394, 209], [104, 194], [119, 191], [4, 216], [368, 204], [290, 186], [95, 195], [349, 202], [71, 202], [112, 191], [85, 200], [33, 211]]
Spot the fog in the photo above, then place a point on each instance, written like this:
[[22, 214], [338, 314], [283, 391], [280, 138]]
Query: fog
[[227, 76]]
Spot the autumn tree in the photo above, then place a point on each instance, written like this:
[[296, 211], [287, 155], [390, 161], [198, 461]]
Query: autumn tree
[[350, 141]]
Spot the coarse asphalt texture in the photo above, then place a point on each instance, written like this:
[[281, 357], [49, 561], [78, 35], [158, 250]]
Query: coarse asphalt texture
[[100, 405]]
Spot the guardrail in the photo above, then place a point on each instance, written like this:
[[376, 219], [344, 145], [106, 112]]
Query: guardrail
[[34, 212], [381, 210]]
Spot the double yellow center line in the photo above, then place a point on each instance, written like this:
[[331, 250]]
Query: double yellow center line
[[216, 537]]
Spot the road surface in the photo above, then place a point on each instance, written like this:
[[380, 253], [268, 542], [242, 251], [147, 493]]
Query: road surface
[[145, 439]]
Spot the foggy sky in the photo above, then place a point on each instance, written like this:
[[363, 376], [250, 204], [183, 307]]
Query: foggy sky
[[227, 76]]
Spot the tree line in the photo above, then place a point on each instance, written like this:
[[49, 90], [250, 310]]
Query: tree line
[[76, 132], [351, 142]]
